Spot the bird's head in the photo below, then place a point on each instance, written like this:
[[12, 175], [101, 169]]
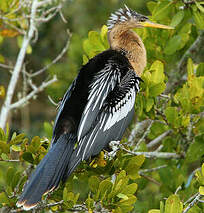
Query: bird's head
[[129, 19]]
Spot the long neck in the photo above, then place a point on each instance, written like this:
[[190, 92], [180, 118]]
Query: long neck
[[132, 45]]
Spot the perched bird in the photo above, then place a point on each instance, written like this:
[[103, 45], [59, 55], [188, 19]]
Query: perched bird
[[97, 108]]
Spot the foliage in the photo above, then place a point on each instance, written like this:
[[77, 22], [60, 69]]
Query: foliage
[[128, 183]]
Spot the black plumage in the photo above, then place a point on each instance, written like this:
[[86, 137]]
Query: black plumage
[[96, 109], [99, 92]]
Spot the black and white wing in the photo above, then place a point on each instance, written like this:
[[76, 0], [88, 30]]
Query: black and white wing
[[109, 110]]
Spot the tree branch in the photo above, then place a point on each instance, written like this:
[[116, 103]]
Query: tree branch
[[158, 139], [144, 135], [152, 169], [138, 130], [55, 60], [14, 78], [165, 155], [22, 101], [192, 203]]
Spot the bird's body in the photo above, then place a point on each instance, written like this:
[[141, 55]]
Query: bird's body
[[96, 109]]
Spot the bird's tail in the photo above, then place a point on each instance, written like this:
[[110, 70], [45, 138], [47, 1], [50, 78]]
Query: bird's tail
[[53, 168]]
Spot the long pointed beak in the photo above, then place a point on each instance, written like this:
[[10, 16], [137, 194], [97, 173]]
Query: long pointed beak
[[155, 25]]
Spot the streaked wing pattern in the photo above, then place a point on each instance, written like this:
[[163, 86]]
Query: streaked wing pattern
[[112, 117], [103, 83]]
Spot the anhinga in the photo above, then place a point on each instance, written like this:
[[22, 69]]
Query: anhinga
[[97, 108]]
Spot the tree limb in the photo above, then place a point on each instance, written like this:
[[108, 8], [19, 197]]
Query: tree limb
[[165, 155], [192, 203], [138, 130], [55, 60], [23, 100], [18, 66], [144, 135], [158, 139]]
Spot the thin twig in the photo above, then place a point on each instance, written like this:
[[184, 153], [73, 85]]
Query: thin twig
[[159, 148], [9, 160], [22, 101], [55, 60], [164, 96], [191, 198], [6, 66], [151, 179], [52, 101], [20, 31], [165, 155], [178, 189], [138, 130], [158, 139], [144, 135], [152, 169], [192, 203], [190, 128]]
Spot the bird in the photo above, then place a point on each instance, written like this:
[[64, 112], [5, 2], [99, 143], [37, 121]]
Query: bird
[[97, 107]]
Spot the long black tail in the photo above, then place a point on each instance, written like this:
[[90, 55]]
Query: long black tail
[[53, 168]]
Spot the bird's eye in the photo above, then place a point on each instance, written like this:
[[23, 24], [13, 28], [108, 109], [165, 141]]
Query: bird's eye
[[143, 19]]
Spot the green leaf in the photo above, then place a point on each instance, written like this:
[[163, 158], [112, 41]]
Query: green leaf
[[127, 203], [177, 18], [29, 49], [48, 129], [200, 70], [190, 67], [2, 135], [15, 179], [94, 183], [201, 8], [149, 104], [161, 207], [156, 89], [4, 147], [151, 5], [133, 166], [104, 31], [161, 10], [122, 196], [2, 91], [158, 72], [104, 188], [196, 149], [172, 45], [17, 139], [65, 191], [154, 211], [35, 143], [199, 19], [89, 203], [4, 156], [27, 156], [16, 148], [85, 59], [202, 169], [129, 189], [172, 116], [195, 209], [184, 39], [9, 175], [4, 198], [173, 205], [201, 190]]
